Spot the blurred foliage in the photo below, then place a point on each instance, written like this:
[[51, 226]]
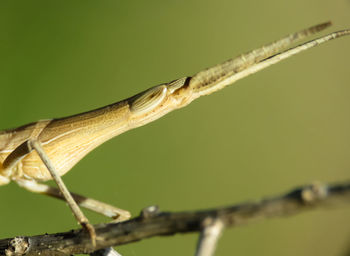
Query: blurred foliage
[[286, 126]]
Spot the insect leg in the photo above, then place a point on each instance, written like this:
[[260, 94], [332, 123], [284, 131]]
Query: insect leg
[[78, 214], [88, 203]]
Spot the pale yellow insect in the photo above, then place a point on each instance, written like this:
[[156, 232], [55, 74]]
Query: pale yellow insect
[[47, 149]]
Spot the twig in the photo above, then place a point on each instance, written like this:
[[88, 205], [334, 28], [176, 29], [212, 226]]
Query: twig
[[151, 222]]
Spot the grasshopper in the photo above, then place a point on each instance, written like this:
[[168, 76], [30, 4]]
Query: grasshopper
[[47, 149]]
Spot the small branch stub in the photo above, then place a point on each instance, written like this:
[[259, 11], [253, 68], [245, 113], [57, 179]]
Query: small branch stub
[[313, 193], [149, 212], [209, 237], [106, 252]]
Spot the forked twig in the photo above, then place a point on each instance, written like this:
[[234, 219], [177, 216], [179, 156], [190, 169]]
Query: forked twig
[[153, 223]]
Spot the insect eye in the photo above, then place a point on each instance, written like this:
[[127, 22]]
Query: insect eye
[[148, 100]]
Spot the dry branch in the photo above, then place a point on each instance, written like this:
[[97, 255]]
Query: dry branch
[[151, 222]]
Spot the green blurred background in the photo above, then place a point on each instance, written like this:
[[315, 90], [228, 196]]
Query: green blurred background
[[283, 127]]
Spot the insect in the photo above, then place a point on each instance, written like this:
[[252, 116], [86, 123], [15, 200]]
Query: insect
[[47, 149]]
